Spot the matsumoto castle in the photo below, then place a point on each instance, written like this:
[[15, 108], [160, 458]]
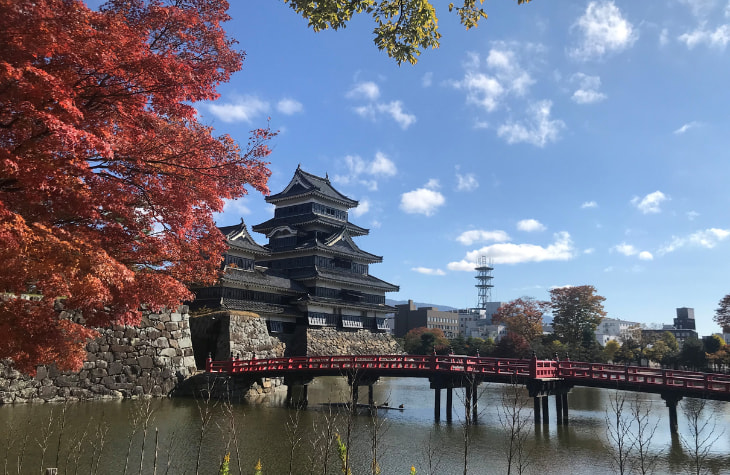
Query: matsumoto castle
[[311, 274]]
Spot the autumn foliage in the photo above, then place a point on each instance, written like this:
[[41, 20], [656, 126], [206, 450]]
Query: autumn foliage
[[108, 181], [523, 317]]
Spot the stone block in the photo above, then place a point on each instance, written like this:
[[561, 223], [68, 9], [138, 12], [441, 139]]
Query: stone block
[[102, 364], [41, 373], [176, 317], [98, 373], [48, 392], [115, 367], [162, 343], [121, 348], [171, 326], [168, 352], [145, 362]]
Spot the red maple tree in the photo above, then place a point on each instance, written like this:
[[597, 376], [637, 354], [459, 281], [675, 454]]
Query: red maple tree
[[108, 181]]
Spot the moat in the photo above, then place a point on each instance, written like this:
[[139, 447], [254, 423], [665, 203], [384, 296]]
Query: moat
[[265, 432]]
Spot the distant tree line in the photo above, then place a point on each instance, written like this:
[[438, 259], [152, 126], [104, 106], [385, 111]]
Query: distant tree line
[[577, 311]]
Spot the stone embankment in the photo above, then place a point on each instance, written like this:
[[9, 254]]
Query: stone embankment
[[329, 341], [122, 362]]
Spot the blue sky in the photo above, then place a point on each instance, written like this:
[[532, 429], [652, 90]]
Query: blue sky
[[570, 142]]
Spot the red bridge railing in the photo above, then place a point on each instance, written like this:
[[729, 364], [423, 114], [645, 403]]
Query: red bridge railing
[[394, 363], [571, 371], [639, 375]]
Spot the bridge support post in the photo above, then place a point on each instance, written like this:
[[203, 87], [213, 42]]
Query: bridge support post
[[559, 408], [371, 396], [296, 395], [474, 399], [449, 402], [545, 410], [355, 395], [564, 398], [468, 389], [536, 401], [671, 401], [437, 404]]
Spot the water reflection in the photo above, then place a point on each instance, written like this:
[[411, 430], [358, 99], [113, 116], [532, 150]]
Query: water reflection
[[409, 437]]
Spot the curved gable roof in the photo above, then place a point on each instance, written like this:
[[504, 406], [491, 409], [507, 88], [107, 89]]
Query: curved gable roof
[[237, 236], [304, 183]]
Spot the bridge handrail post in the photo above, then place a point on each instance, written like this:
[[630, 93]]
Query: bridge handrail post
[[533, 366], [209, 363]]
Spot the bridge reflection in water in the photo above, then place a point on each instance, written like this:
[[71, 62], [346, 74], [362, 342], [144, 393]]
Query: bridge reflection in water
[[542, 378]]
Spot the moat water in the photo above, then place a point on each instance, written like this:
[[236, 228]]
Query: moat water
[[408, 437]]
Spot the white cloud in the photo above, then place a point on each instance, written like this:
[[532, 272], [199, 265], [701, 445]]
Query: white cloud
[[483, 90], [468, 238], [364, 90], [364, 172], [510, 253], [691, 215], [428, 271], [707, 238], [433, 183], [589, 204], [363, 206], [538, 129], [530, 225], [235, 207], [590, 250], [645, 256], [501, 75], [395, 110], [717, 38], [700, 8], [244, 109], [370, 92], [382, 166], [603, 30], [427, 79], [424, 200], [625, 249], [467, 182], [686, 127], [588, 89], [650, 203], [289, 106]]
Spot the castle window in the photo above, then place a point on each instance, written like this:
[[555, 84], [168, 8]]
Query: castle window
[[351, 321]]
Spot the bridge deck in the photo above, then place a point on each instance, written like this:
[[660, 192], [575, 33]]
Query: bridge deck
[[574, 373]]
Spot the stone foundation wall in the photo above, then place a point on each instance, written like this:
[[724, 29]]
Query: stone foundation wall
[[330, 341], [123, 361], [228, 332]]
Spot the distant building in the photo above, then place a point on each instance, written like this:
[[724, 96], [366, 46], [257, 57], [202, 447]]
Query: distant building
[[616, 329], [477, 322], [683, 328], [408, 317]]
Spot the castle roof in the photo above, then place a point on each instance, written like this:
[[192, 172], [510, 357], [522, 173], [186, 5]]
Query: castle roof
[[238, 237], [343, 277], [305, 184], [308, 218]]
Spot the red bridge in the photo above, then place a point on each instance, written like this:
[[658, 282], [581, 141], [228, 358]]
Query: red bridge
[[541, 377]]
